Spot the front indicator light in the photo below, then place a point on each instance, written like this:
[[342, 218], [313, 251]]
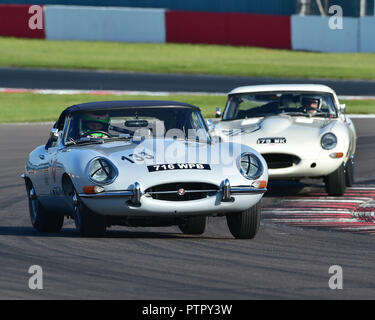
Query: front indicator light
[[260, 184], [93, 189], [336, 155]]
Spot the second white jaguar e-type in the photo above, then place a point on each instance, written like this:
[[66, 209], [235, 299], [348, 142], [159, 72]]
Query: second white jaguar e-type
[[302, 131], [142, 163]]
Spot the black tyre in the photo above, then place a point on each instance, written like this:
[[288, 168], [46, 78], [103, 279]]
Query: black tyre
[[349, 173], [335, 182], [88, 223], [245, 225], [194, 225], [41, 219]]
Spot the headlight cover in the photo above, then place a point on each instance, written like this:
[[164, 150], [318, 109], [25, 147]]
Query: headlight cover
[[328, 141], [250, 166], [102, 171]]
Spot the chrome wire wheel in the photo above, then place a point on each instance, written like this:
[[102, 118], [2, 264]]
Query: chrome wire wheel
[[42, 220]]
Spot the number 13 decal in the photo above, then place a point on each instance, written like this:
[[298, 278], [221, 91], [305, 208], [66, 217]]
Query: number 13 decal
[[132, 158]]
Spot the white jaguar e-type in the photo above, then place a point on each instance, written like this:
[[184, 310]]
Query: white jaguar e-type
[[301, 131], [142, 163]]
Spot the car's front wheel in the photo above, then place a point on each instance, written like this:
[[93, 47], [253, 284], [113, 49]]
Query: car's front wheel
[[194, 225], [41, 219], [88, 223], [245, 225], [335, 183]]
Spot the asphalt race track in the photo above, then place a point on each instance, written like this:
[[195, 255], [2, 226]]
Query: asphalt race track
[[91, 80], [283, 262]]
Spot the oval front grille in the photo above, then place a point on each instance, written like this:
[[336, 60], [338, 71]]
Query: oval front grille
[[184, 191]]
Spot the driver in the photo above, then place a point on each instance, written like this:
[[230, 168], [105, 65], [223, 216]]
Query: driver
[[95, 125], [310, 105]]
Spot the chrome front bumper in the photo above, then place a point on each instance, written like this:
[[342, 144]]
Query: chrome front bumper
[[136, 194]]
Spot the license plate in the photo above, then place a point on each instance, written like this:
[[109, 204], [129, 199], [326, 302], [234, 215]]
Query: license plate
[[179, 166], [271, 140]]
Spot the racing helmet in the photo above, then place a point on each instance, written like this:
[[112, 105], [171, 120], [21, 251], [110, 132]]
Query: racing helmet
[[307, 101], [89, 120]]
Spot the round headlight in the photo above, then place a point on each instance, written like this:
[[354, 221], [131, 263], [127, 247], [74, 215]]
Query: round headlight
[[250, 166], [102, 171], [329, 141]]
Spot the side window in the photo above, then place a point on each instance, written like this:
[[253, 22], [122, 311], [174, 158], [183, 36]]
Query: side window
[[194, 120], [327, 104]]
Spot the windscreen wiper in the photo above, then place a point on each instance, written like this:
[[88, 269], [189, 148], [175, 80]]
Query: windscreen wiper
[[259, 115], [324, 115], [297, 113], [125, 137], [73, 142]]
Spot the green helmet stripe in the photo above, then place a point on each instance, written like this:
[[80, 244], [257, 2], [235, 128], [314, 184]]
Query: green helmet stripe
[[95, 117]]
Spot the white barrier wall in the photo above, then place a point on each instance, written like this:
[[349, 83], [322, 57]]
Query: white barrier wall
[[105, 24], [313, 33], [367, 34]]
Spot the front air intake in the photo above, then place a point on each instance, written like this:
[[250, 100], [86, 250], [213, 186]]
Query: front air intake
[[183, 191], [280, 160]]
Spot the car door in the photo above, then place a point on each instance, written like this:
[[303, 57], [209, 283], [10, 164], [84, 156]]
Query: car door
[[46, 175], [38, 169]]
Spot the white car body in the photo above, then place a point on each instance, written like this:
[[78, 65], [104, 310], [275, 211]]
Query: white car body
[[296, 137], [154, 180]]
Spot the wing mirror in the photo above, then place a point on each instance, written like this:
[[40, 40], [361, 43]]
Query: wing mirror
[[54, 134], [210, 124], [343, 108], [218, 113]]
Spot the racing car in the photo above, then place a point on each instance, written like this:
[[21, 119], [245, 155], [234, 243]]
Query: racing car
[[140, 164], [301, 130]]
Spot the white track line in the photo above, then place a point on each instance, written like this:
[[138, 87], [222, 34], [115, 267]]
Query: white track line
[[343, 97], [326, 200], [107, 92], [356, 228], [361, 188], [312, 220], [151, 93], [305, 212]]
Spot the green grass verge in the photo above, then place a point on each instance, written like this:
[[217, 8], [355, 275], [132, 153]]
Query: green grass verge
[[32, 107], [184, 58]]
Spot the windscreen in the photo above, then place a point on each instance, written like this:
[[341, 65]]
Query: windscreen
[[177, 123], [242, 106]]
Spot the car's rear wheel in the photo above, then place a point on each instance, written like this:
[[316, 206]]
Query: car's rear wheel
[[41, 219], [349, 172], [245, 225], [88, 223], [194, 225], [335, 183]]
